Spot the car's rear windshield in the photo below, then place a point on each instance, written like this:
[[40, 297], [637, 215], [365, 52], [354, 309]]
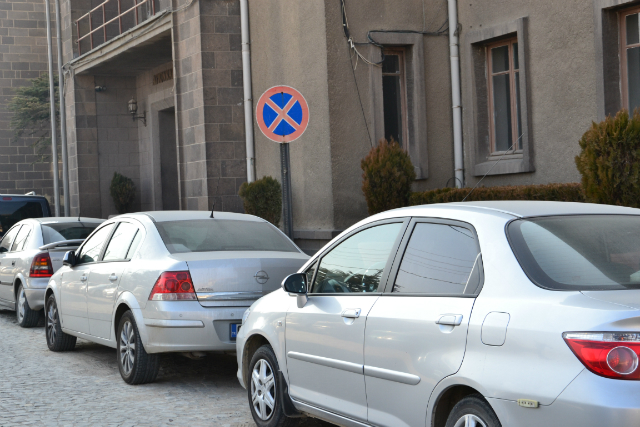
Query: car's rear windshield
[[58, 232], [212, 235], [13, 211], [582, 252]]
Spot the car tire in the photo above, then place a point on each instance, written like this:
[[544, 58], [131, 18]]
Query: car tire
[[267, 412], [56, 339], [26, 317], [135, 364], [471, 409]]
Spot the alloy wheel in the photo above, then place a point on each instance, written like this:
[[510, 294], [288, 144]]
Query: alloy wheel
[[22, 300], [470, 421], [52, 321], [127, 347], [263, 390]]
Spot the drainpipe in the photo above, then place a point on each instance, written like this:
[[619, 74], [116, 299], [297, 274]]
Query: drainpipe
[[246, 83], [52, 101], [455, 93]]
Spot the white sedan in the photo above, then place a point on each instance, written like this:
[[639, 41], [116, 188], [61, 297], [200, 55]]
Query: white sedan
[[486, 314], [156, 282], [30, 252]]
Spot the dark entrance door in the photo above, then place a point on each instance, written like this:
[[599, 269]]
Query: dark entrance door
[[168, 159]]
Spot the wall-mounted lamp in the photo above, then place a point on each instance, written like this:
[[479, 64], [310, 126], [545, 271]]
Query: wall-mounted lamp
[[133, 109]]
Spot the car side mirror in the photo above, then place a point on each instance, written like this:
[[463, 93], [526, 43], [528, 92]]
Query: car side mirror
[[296, 286], [69, 259]]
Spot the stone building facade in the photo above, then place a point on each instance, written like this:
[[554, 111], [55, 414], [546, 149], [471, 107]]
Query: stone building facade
[[534, 76], [23, 56]]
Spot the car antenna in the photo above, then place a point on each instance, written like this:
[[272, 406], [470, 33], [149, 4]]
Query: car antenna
[[214, 200], [494, 165]]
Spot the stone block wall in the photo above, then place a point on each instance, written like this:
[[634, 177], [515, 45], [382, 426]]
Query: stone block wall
[[23, 57]]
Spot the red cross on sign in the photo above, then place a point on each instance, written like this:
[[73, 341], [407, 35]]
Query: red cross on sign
[[282, 114]]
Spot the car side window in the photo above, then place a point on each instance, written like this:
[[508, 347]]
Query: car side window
[[439, 259], [90, 251], [5, 244], [357, 264], [120, 242], [21, 239], [311, 271]]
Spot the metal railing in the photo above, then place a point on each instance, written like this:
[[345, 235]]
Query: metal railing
[[103, 8]]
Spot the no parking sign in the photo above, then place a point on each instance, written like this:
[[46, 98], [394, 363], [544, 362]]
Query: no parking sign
[[282, 114]]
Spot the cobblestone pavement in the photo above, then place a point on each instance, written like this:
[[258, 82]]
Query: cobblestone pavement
[[84, 387]]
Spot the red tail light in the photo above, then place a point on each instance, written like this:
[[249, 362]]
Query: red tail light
[[608, 354], [41, 266], [173, 286]]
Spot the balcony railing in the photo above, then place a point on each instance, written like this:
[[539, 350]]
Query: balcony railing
[[105, 22]]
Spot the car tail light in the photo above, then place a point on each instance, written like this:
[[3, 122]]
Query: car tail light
[[173, 286], [41, 266], [608, 354]]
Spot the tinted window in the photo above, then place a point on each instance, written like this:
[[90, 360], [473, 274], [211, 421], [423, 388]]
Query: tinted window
[[120, 243], [590, 252], [5, 245], [439, 259], [58, 232], [134, 244], [90, 251], [14, 211], [357, 264], [212, 235], [311, 271], [21, 238]]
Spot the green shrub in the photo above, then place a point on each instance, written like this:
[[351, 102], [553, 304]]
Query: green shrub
[[263, 198], [550, 192], [387, 177], [123, 191], [610, 161]]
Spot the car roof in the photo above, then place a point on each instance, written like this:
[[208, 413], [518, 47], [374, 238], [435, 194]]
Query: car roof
[[164, 216], [62, 219], [22, 196], [524, 209]]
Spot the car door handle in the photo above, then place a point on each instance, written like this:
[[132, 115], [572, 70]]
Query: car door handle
[[113, 277], [450, 320], [83, 278], [13, 263], [351, 313]]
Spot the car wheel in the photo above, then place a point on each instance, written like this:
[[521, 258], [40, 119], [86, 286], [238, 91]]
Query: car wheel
[[265, 403], [26, 317], [472, 411], [135, 364], [56, 339]]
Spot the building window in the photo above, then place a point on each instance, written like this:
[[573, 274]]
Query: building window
[[504, 96], [394, 95], [630, 55]]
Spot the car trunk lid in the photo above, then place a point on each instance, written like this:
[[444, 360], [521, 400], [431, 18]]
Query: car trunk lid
[[628, 298], [238, 278]]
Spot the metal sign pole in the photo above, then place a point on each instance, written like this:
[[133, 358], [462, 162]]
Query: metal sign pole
[[287, 208]]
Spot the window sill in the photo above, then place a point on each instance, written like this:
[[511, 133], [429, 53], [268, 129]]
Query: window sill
[[507, 165]]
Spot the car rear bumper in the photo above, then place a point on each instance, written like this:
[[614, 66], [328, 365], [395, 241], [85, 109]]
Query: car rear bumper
[[34, 291], [589, 401], [184, 326]]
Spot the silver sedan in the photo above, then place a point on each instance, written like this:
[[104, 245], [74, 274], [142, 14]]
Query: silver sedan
[[472, 314], [30, 252], [157, 282]]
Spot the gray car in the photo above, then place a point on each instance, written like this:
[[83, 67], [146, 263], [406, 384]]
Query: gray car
[[30, 252], [471, 314], [160, 282]]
